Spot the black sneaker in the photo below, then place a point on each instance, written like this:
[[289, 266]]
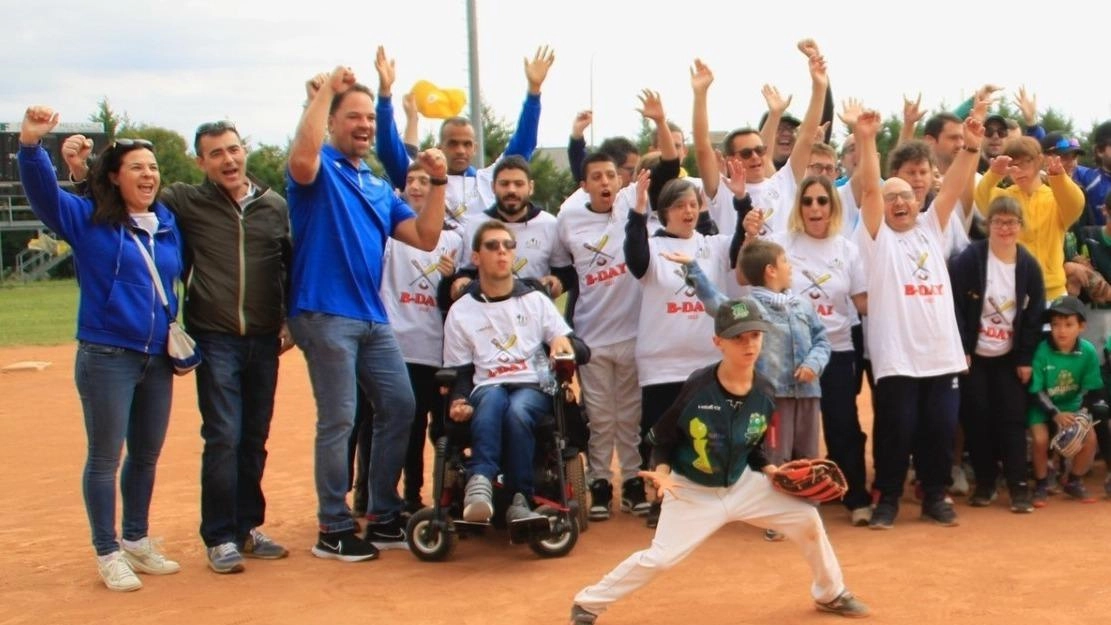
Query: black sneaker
[[387, 535], [652, 519], [1021, 501], [982, 497], [883, 516], [601, 495], [939, 511], [632, 497], [345, 546]]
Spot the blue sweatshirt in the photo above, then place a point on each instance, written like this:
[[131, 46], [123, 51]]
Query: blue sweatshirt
[[118, 303]]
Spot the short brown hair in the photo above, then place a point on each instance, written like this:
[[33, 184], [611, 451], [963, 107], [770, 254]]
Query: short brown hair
[[1005, 205], [1023, 147], [492, 224], [756, 256]]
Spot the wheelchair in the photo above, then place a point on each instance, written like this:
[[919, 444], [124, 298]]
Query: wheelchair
[[560, 483]]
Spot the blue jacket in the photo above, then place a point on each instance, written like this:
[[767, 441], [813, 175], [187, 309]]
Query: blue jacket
[[118, 303], [799, 338]]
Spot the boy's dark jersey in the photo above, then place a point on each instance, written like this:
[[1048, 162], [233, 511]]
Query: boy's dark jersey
[[708, 435]]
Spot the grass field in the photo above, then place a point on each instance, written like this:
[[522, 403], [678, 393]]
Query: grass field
[[38, 313]]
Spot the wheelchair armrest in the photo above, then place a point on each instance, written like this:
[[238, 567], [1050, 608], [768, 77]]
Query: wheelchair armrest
[[446, 378]]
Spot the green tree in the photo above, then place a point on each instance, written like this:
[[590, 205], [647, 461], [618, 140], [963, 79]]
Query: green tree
[[112, 121], [174, 161], [495, 134], [551, 184], [267, 163], [888, 137]]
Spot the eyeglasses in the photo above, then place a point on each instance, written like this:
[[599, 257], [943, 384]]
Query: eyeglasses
[[1008, 224], [493, 245], [906, 196], [820, 168], [208, 128], [822, 200], [746, 153], [996, 131], [131, 143]]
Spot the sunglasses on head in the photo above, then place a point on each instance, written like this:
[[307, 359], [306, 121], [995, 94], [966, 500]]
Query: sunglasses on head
[[746, 153], [131, 143], [493, 245], [996, 131], [822, 200]]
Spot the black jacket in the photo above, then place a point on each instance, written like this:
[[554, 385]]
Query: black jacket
[[968, 275]]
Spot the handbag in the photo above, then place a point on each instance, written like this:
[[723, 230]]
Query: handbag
[[180, 347]]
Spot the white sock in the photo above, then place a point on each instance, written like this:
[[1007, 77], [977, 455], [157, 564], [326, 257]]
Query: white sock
[[108, 557], [134, 545]]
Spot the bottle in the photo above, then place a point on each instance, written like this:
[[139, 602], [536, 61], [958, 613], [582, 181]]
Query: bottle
[[543, 368]]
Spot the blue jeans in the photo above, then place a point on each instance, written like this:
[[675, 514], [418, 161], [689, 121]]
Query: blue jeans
[[340, 351], [503, 426], [126, 397], [235, 392]]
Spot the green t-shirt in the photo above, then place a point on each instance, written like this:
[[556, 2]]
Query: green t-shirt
[[1065, 376]]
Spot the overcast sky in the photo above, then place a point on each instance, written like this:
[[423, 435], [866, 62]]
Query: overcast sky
[[177, 64]]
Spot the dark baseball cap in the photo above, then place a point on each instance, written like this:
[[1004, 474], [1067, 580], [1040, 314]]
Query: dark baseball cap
[[1065, 305], [1057, 143], [786, 119], [737, 316]]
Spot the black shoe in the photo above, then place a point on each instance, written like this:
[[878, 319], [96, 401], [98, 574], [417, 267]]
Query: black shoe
[[939, 511], [601, 495], [1021, 501], [345, 546], [387, 535], [883, 516], [982, 496], [653, 517], [632, 497]]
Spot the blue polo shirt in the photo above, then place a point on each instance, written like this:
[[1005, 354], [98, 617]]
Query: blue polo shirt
[[340, 224]]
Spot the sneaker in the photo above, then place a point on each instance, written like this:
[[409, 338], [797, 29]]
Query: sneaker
[[225, 558], [388, 535], [478, 500], [1041, 493], [345, 546], [579, 616], [652, 519], [116, 573], [1053, 481], [633, 499], [519, 510], [941, 512], [601, 495], [773, 536], [144, 557], [982, 497], [846, 605], [960, 481], [1020, 499], [883, 516], [861, 516], [413, 505], [1075, 488], [261, 546]]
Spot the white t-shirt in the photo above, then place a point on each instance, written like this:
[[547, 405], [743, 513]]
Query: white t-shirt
[[674, 333], [826, 273], [410, 278], [609, 296], [997, 316], [536, 244], [912, 327], [500, 337], [775, 196], [466, 197], [147, 222]]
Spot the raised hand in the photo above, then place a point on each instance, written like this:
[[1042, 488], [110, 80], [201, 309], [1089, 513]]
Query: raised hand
[[818, 73], [912, 111], [643, 179], [313, 85], [1028, 104], [776, 103], [581, 123], [867, 126], [1001, 165], [37, 121], [75, 152], [387, 72], [433, 162], [341, 79], [980, 109], [809, 47], [1053, 165], [985, 92], [409, 103], [701, 76], [851, 109], [973, 132], [536, 70], [651, 107], [735, 177]]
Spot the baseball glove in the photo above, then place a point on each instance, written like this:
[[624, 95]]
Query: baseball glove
[[1070, 438], [816, 480]]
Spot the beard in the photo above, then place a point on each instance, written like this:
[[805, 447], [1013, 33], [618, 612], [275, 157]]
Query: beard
[[522, 206]]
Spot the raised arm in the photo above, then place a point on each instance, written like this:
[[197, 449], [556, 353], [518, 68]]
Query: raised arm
[[60, 211], [963, 168], [777, 106], [704, 155], [304, 152], [576, 146], [912, 114], [819, 82], [523, 141], [423, 232], [412, 123], [637, 254], [868, 170], [1068, 195], [388, 144]]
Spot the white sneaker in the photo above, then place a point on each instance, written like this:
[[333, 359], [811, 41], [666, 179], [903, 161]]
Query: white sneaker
[[117, 573], [960, 481], [478, 500], [144, 557], [861, 516]]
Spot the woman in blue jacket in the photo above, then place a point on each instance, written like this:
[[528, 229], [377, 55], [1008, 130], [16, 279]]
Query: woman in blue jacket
[[122, 373]]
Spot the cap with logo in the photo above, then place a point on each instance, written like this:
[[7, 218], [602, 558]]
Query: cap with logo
[[737, 316]]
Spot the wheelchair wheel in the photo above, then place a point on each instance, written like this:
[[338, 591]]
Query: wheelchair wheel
[[576, 479], [427, 541], [560, 544]]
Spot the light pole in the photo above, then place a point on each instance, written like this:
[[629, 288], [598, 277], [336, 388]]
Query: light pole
[[476, 95]]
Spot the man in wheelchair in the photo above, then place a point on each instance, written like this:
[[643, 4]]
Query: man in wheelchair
[[494, 337]]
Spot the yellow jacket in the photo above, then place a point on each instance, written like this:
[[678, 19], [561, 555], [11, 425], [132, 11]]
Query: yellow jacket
[[1046, 214]]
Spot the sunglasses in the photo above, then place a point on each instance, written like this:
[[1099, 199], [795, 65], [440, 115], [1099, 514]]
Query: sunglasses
[[905, 196], [493, 245], [822, 200], [132, 143], [746, 153], [995, 131]]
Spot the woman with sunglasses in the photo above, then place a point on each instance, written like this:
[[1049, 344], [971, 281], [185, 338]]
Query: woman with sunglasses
[[122, 373]]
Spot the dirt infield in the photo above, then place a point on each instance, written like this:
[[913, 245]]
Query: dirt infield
[[997, 567]]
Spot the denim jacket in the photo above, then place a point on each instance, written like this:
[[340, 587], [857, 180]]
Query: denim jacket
[[799, 338]]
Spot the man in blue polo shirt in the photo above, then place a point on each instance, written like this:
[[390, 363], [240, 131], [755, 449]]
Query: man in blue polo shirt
[[341, 215]]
